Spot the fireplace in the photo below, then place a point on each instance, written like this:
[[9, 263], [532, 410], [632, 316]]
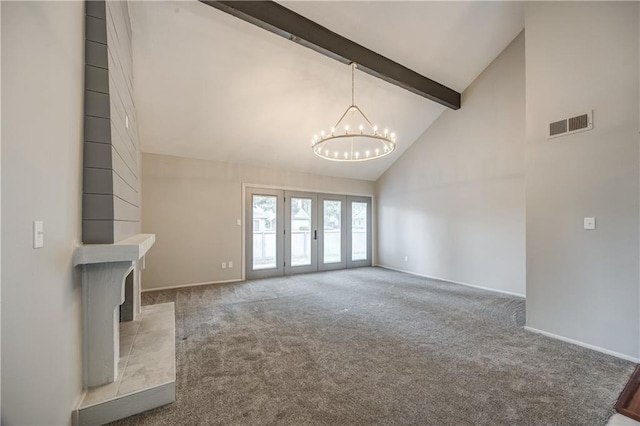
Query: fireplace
[[106, 270]]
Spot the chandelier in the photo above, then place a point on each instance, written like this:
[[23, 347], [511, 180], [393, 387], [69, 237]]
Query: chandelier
[[353, 137]]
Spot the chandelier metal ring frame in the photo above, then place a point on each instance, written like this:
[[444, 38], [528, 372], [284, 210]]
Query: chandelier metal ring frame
[[365, 143]]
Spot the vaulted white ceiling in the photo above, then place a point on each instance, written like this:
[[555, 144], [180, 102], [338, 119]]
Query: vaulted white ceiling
[[211, 86]]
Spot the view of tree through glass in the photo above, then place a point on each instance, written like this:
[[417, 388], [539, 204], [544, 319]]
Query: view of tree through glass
[[332, 231], [358, 231], [301, 231], [264, 231]]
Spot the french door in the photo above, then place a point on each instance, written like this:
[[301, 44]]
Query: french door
[[291, 232], [301, 233], [333, 244], [264, 231], [358, 232]]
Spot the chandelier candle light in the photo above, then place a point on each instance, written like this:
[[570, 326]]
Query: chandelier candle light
[[354, 137]]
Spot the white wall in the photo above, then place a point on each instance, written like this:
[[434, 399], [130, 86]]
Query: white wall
[[583, 285], [454, 202], [192, 207], [0, 219], [42, 98]]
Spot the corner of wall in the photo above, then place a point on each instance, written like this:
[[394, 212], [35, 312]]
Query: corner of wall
[[584, 285], [42, 75], [452, 206]]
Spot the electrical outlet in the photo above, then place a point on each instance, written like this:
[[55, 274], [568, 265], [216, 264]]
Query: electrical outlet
[[230, 264], [224, 265], [589, 223]]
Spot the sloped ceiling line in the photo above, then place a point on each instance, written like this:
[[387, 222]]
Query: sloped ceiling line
[[280, 20]]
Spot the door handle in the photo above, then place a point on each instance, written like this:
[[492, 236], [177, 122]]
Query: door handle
[[315, 234]]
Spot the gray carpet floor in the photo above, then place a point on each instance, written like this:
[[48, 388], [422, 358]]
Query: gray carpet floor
[[373, 346]]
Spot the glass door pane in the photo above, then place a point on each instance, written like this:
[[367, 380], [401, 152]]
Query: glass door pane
[[264, 231], [301, 236], [358, 230], [264, 236], [332, 232], [359, 222], [333, 237], [300, 231]]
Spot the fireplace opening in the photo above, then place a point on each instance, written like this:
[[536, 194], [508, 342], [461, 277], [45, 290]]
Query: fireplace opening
[[127, 308]]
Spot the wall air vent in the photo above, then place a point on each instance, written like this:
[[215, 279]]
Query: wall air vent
[[568, 126], [558, 128]]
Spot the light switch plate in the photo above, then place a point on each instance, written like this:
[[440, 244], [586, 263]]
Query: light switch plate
[[589, 223], [224, 265], [238, 222], [38, 234], [230, 264]]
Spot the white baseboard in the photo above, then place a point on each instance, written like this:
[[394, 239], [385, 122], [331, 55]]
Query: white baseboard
[[584, 345], [453, 282], [172, 287], [531, 329]]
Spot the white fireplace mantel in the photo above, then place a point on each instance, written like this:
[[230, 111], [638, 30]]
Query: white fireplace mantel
[[104, 269], [130, 249]]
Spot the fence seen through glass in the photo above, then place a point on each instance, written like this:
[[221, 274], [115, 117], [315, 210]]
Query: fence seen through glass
[[300, 239], [358, 230], [332, 231], [265, 209], [301, 231]]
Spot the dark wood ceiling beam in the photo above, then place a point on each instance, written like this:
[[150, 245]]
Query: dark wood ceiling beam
[[282, 21]]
